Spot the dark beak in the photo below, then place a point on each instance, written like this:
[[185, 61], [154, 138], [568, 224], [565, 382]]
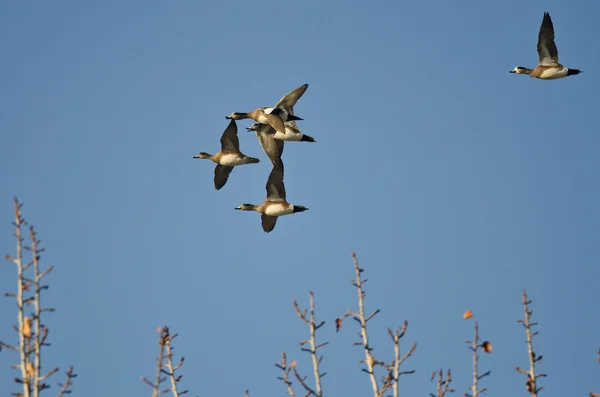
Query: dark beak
[[512, 71]]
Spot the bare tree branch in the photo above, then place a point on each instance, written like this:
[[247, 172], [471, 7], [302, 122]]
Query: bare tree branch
[[37, 340], [475, 391], [394, 368], [31, 332], [21, 287], [302, 381], [362, 320], [65, 388], [164, 365], [531, 384], [286, 372], [316, 360], [170, 369], [390, 379], [443, 384], [158, 379]]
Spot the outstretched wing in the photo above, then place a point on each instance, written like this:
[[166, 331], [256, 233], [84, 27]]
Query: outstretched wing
[[275, 121], [275, 187], [289, 100], [273, 147], [221, 175], [546, 47], [229, 139], [268, 222]]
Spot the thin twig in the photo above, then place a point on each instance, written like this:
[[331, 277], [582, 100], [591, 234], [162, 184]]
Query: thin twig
[[390, 380], [395, 366], [286, 372], [159, 362], [170, 369], [64, 388], [164, 365], [475, 391], [316, 360], [302, 381], [37, 316], [32, 333], [531, 384], [19, 222], [443, 385], [362, 320]]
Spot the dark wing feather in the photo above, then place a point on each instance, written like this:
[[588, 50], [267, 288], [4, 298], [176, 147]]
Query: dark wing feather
[[289, 100], [268, 222], [229, 139], [273, 147], [546, 48], [221, 175], [275, 121], [275, 187]]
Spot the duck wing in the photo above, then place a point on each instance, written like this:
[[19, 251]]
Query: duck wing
[[546, 47], [221, 175], [268, 222], [275, 187], [229, 140], [275, 121], [289, 100]]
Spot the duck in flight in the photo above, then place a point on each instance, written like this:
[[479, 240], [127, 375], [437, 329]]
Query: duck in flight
[[275, 117], [228, 157], [270, 139], [548, 67], [275, 205]]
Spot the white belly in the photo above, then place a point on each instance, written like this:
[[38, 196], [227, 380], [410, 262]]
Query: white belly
[[279, 209], [551, 74], [290, 135], [231, 160]]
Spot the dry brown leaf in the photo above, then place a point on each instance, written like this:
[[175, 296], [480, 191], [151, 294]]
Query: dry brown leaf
[[468, 314], [370, 360], [487, 346], [293, 364], [29, 369], [338, 324], [27, 327]]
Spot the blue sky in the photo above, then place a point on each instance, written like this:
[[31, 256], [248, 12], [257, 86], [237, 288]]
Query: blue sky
[[457, 184]]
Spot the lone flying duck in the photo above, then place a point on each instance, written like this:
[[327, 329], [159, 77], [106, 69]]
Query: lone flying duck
[[548, 67]]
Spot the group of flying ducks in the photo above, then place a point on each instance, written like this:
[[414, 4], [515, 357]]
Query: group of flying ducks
[[278, 124], [274, 126]]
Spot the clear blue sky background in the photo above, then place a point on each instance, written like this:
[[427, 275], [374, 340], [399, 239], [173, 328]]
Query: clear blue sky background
[[457, 184]]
